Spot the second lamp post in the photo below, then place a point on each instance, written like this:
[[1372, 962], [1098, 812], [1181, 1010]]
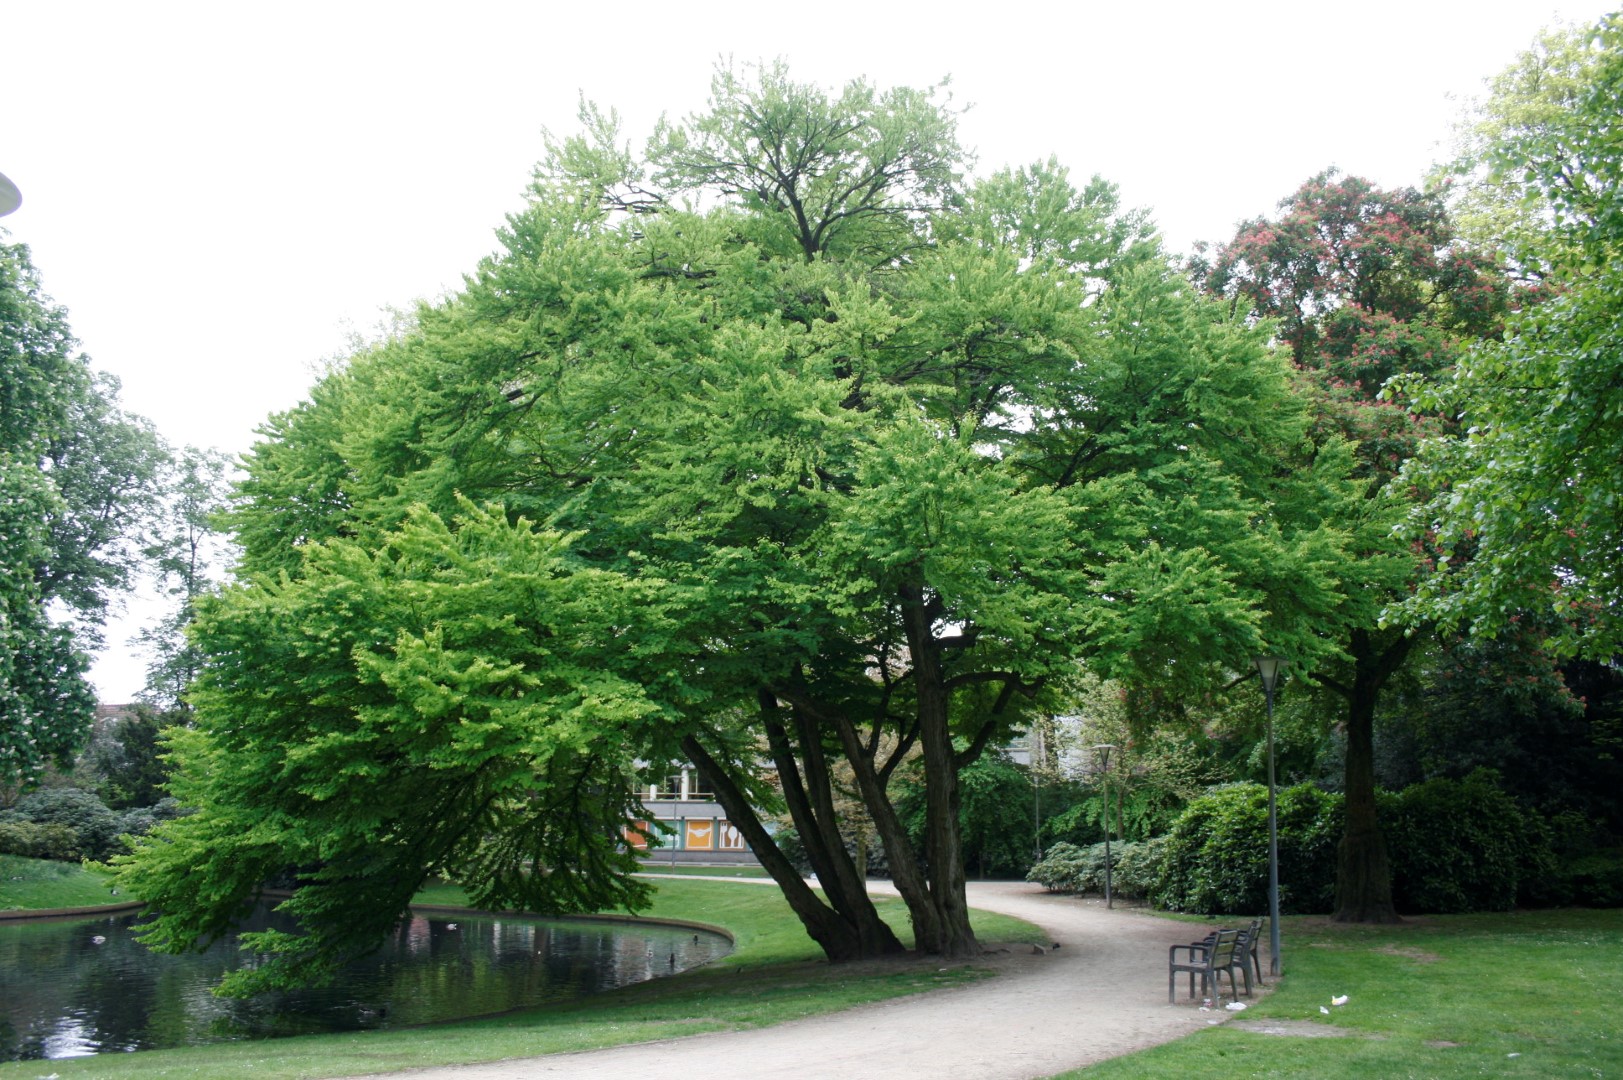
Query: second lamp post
[[1268, 667]]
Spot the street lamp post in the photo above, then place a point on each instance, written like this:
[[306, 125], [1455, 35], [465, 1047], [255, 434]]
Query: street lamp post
[[1103, 750], [1268, 668]]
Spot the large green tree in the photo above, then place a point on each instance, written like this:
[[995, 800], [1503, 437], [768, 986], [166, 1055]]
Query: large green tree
[[1364, 284], [77, 483], [443, 704], [1526, 497], [880, 453]]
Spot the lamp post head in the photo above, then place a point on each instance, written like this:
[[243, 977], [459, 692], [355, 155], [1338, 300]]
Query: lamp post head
[[10, 197], [1269, 667], [1103, 750]]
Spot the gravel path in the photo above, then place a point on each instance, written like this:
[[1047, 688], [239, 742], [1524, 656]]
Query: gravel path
[[1101, 994]]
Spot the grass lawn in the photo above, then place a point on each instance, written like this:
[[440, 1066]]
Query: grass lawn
[[653, 866], [34, 884], [774, 975], [1518, 995]]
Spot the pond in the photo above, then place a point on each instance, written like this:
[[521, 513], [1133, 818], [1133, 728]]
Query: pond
[[85, 986]]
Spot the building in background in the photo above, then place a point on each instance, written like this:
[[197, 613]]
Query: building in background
[[696, 829]]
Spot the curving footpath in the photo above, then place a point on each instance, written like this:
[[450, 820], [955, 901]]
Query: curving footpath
[[1101, 994]]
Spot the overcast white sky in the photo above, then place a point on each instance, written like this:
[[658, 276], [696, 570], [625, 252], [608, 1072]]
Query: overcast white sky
[[220, 193]]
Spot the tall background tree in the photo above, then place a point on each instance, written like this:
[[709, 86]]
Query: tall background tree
[[1363, 284], [184, 556], [78, 482], [1526, 495]]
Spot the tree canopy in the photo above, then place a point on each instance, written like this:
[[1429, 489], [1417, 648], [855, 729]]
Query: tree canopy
[[1365, 284], [1525, 499], [78, 479], [851, 459]]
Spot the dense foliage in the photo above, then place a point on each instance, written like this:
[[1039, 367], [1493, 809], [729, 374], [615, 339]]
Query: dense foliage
[[70, 824], [871, 455], [1456, 845], [1526, 497], [997, 814], [446, 705], [1135, 867], [78, 481]]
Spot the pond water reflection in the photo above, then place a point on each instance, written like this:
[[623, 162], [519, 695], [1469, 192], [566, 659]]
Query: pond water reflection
[[85, 986]]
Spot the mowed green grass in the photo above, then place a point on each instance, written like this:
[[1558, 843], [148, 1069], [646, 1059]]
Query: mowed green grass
[[1517, 995], [1530, 994], [775, 974], [38, 884], [654, 866]]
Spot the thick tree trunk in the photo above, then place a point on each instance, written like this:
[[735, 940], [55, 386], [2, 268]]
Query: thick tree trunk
[[1363, 874], [943, 847], [838, 938]]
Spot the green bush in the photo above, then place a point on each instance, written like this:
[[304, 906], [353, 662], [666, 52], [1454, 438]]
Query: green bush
[[1595, 879], [1065, 867], [1454, 846], [1215, 860], [1217, 854], [1138, 866], [72, 824], [32, 840], [1462, 845]]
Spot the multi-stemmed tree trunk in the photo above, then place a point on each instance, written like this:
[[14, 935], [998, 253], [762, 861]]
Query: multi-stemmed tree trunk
[[847, 926]]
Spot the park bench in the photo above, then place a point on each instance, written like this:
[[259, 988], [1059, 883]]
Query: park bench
[[1246, 954], [1209, 959]]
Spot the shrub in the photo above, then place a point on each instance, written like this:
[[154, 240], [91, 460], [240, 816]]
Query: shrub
[[1064, 868], [1215, 859], [35, 841], [94, 829], [1138, 865], [1595, 879], [1454, 846], [1462, 845], [1069, 868]]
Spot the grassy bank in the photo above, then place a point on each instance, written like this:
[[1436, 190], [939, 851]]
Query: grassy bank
[[36, 884], [1519, 995], [774, 975]]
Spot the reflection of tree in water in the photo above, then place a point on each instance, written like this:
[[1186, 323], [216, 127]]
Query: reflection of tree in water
[[68, 995]]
